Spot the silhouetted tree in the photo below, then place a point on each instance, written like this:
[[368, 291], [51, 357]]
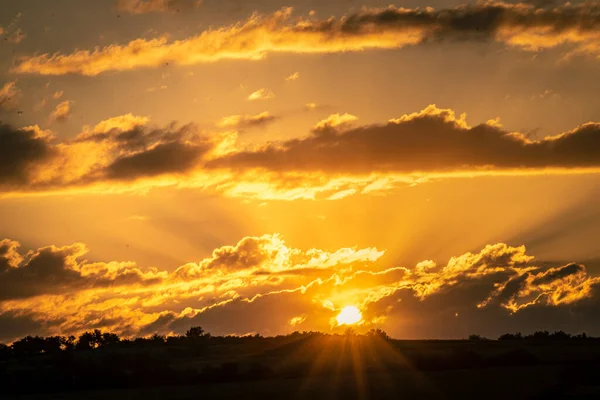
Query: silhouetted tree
[[90, 340], [69, 343], [110, 339], [511, 336], [377, 333], [4, 351], [175, 340], [29, 345], [560, 335], [540, 335], [54, 344], [476, 337], [194, 333], [157, 340]]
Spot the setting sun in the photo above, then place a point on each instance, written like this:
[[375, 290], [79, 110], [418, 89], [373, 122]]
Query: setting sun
[[349, 315]]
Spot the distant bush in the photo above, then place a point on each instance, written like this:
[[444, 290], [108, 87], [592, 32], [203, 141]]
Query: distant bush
[[545, 336], [477, 337]]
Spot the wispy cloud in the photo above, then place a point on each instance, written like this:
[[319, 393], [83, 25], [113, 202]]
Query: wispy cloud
[[261, 94], [294, 77], [9, 96], [521, 26], [62, 112], [247, 121]]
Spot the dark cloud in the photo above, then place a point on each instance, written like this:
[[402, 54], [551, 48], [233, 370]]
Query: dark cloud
[[29, 160], [485, 20], [141, 152], [558, 274], [162, 159], [521, 25], [20, 151], [269, 315], [55, 270], [433, 140], [16, 325]]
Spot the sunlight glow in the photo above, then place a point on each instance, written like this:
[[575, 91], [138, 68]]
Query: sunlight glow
[[349, 315]]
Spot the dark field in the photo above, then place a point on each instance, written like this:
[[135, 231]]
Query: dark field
[[310, 366]]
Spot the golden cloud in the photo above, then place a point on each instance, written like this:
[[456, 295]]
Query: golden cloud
[[9, 96], [246, 121], [281, 287], [62, 112], [261, 94], [125, 298], [335, 160], [523, 26]]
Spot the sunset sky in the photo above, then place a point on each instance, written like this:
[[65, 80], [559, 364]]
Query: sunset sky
[[258, 166]]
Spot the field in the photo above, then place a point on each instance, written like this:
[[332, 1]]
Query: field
[[315, 367]]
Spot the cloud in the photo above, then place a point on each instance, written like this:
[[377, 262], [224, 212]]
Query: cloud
[[131, 151], [433, 140], [261, 284], [9, 96], [335, 121], [151, 6], [121, 123], [261, 94], [165, 158], [293, 77], [52, 270], [337, 159], [120, 149], [54, 282], [247, 121], [522, 26], [62, 112], [21, 151]]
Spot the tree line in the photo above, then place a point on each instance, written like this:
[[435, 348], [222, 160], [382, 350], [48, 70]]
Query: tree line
[[196, 336], [538, 336]]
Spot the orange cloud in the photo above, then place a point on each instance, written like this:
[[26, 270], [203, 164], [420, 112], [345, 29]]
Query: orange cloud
[[261, 94], [336, 160], [518, 25], [9, 96], [281, 287], [246, 121], [336, 120], [121, 296], [293, 77], [62, 112]]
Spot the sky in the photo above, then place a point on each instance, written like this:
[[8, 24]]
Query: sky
[[258, 166]]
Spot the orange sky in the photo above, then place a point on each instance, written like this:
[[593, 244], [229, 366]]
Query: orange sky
[[259, 166]]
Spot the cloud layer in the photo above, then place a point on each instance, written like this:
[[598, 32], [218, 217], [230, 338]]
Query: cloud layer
[[433, 140], [338, 158], [522, 26], [262, 285]]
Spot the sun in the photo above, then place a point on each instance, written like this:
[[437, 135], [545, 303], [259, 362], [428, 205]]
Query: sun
[[349, 315]]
